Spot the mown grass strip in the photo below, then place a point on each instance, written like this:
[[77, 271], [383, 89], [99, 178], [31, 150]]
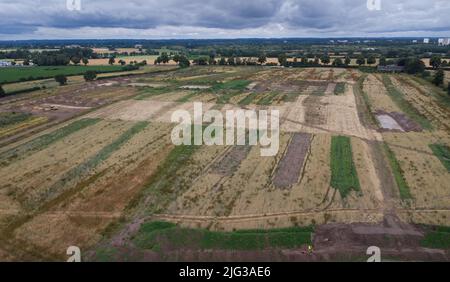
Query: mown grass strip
[[80, 171], [403, 187], [406, 107], [187, 97], [442, 152], [153, 234], [43, 141], [438, 238], [343, 171]]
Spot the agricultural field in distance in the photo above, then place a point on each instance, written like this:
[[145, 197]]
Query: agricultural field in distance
[[363, 158]]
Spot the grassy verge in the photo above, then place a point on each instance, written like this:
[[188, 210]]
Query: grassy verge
[[438, 238], [153, 235], [43, 141], [343, 171], [398, 174], [406, 107], [442, 152], [83, 169]]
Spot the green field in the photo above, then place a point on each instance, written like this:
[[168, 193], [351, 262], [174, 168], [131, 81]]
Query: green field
[[15, 74], [442, 152], [438, 238], [154, 235], [343, 171]]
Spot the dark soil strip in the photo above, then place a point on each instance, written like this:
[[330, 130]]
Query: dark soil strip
[[314, 110], [289, 168], [230, 163]]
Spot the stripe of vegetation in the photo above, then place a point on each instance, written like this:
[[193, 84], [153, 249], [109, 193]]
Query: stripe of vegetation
[[72, 176], [398, 174], [442, 152], [438, 238], [340, 88], [151, 92], [44, 141], [267, 100], [343, 171], [152, 234], [367, 113], [248, 99], [187, 97], [404, 105], [7, 119], [231, 85]]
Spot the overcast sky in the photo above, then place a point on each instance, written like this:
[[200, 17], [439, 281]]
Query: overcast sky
[[155, 19]]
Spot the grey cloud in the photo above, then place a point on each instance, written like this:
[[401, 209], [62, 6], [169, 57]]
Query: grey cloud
[[314, 17]]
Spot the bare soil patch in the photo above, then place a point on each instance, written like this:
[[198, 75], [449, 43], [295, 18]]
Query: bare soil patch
[[291, 165]]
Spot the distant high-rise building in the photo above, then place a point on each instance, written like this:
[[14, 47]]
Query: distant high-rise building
[[426, 40], [444, 41]]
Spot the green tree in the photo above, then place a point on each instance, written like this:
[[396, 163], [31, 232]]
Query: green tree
[[282, 59], [338, 62], [222, 61], [111, 61], [164, 58], [2, 92], [90, 75], [85, 61], [347, 61], [184, 62], [361, 60], [383, 61], [448, 88], [122, 62], [438, 78], [262, 59], [371, 60], [325, 59], [435, 62], [304, 60], [61, 79], [176, 58], [75, 60], [414, 65]]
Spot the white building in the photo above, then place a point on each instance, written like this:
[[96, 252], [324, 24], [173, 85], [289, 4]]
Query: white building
[[444, 41], [5, 64], [426, 41]]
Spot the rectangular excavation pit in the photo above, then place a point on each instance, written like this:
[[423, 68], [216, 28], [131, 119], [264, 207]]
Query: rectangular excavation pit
[[290, 166]]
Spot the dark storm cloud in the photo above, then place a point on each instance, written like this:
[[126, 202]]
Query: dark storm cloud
[[313, 17]]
